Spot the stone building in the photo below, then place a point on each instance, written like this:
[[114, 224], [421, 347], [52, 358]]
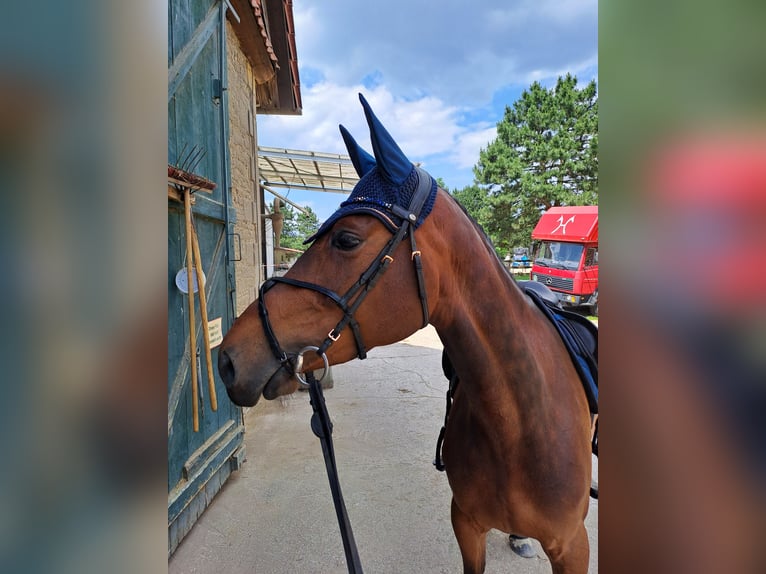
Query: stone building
[[263, 79]]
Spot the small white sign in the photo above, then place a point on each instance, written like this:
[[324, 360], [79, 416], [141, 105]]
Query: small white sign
[[216, 333]]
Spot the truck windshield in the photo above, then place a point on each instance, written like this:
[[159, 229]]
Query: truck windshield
[[558, 255]]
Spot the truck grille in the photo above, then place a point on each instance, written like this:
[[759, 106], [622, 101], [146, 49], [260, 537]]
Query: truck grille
[[561, 283]]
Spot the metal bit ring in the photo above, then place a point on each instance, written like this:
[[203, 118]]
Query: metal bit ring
[[299, 365]]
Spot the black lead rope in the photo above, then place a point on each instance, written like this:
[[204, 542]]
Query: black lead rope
[[322, 427]]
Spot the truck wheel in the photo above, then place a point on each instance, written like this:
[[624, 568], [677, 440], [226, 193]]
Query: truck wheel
[[594, 303]]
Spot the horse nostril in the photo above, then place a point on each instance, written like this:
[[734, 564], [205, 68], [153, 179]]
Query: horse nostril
[[225, 368]]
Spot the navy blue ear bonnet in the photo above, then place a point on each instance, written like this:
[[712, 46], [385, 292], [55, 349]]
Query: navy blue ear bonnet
[[388, 179]]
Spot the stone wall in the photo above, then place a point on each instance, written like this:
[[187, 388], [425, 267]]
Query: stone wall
[[246, 197]]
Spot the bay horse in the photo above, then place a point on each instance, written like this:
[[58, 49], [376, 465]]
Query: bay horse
[[517, 446]]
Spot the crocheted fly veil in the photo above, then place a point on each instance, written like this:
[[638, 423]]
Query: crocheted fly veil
[[386, 179]]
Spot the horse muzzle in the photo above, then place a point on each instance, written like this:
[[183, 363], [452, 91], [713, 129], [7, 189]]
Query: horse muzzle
[[245, 384]]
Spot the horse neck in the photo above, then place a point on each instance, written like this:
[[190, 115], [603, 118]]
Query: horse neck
[[489, 329]]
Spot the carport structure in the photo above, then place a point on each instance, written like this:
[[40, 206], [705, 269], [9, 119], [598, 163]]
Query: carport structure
[[299, 170], [305, 170]]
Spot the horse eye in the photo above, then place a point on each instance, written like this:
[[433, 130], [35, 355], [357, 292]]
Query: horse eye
[[346, 241]]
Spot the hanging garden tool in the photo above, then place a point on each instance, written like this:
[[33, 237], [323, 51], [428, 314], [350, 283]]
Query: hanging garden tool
[[190, 286], [185, 184], [203, 318]]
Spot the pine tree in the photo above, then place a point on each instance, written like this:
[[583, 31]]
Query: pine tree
[[545, 154], [298, 227]]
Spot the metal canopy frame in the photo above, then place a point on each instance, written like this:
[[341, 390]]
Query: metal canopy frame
[[307, 170]]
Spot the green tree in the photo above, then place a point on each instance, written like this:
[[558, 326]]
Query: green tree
[[475, 201], [545, 154], [297, 227]]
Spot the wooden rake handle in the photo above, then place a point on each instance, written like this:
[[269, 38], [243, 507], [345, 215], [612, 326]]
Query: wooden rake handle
[[192, 333], [205, 326]]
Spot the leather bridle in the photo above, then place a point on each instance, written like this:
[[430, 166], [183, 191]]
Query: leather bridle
[[353, 298]]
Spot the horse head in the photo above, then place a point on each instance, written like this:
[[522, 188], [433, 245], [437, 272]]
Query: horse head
[[339, 281]]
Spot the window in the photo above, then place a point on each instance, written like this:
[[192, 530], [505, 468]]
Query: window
[[591, 257], [559, 255]]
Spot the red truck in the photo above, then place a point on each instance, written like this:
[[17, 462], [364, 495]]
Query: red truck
[[565, 251]]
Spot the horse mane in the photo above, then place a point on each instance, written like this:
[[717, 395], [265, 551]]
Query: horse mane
[[483, 235]]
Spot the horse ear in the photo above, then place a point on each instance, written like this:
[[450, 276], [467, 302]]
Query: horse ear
[[392, 163], [363, 162]]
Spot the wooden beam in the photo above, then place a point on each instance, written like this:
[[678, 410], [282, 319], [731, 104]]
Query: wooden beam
[[176, 195]]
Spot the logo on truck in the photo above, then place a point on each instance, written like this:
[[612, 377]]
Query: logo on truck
[[563, 225]]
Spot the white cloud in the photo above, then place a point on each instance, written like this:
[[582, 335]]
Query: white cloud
[[432, 72], [466, 153], [457, 52], [423, 128]]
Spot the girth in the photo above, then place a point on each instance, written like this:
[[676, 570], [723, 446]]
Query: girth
[[353, 298]]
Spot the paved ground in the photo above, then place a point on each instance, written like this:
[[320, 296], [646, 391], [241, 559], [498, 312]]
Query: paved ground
[[275, 515]]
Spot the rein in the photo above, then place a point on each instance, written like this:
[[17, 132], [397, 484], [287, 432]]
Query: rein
[[321, 424]]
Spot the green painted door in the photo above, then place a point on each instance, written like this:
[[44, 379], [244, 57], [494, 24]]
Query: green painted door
[[198, 462]]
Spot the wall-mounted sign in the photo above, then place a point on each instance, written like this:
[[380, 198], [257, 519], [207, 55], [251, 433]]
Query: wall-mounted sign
[[216, 333]]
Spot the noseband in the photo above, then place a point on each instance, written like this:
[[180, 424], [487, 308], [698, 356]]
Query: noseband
[[353, 298]]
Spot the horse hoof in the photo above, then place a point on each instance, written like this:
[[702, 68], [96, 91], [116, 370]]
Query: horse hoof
[[522, 546]]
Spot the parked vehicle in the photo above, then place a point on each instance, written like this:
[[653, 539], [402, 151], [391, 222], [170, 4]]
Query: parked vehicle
[[521, 259], [566, 255]]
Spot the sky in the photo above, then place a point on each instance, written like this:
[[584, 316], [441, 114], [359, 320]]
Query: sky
[[438, 75]]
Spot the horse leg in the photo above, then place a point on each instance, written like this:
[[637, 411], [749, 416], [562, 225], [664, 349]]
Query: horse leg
[[472, 540], [571, 557]]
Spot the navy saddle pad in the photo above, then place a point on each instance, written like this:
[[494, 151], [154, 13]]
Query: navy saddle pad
[[580, 337]]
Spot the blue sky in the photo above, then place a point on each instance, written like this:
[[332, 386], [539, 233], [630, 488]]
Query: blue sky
[[437, 74]]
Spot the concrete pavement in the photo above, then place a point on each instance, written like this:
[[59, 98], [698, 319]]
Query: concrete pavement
[[275, 515]]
